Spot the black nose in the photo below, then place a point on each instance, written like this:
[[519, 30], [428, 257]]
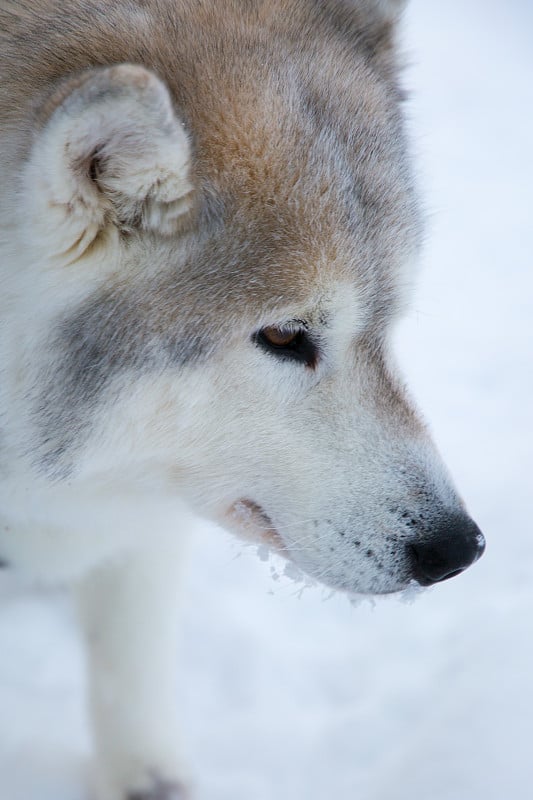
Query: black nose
[[454, 544]]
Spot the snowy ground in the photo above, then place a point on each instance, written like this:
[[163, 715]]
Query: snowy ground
[[292, 697]]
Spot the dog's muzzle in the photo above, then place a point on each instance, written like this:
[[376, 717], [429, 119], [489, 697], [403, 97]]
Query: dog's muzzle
[[452, 546]]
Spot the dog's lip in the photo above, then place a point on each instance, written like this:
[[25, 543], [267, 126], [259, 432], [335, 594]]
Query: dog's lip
[[253, 523]]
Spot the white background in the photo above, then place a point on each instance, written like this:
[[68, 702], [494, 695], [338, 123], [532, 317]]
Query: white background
[[293, 697]]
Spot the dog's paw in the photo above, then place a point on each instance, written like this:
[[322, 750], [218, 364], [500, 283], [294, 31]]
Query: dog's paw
[[160, 790], [141, 786]]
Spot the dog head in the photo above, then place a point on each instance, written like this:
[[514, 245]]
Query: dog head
[[215, 251]]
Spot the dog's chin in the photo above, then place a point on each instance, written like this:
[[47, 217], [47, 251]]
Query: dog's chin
[[250, 522]]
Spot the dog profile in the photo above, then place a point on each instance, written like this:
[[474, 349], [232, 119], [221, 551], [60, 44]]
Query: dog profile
[[208, 227]]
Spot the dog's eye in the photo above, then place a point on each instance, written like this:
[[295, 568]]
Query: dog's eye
[[288, 343], [279, 337]]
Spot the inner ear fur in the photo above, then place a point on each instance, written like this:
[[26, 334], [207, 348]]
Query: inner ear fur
[[110, 153]]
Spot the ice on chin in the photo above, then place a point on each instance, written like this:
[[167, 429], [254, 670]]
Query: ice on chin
[[287, 569]]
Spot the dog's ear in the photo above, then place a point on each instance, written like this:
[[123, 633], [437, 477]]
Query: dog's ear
[[378, 17], [110, 155], [375, 12], [388, 10], [376, 20]]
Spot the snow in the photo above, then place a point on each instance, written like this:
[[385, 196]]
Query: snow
[[282, 694]]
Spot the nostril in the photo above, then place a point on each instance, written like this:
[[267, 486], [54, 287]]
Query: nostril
[[454, 545], [451, 575], [430, 566]]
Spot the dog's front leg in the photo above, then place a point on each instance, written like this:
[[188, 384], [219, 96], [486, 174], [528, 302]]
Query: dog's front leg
[[128, 612]]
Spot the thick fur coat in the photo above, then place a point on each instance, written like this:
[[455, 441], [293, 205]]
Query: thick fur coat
[[208, 228]]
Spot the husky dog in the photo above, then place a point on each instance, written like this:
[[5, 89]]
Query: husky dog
[[208, 228]]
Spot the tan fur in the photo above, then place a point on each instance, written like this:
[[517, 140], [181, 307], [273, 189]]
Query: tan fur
[[245, 145], [180, 176]]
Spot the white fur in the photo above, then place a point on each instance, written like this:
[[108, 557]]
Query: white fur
[[326, 462], [132, 131], [132, 654]]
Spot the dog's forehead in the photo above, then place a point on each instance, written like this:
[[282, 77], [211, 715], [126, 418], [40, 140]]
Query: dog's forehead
[[300, 155]]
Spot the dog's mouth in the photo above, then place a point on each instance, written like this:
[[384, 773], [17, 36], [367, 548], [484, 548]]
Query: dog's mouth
[[251, 522]]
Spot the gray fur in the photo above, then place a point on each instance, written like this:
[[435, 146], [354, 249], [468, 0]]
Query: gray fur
[[180, 177]]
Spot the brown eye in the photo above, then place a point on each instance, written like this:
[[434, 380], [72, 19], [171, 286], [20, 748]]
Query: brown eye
[[288, 344], [279, 337]]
